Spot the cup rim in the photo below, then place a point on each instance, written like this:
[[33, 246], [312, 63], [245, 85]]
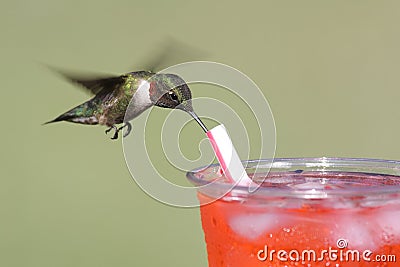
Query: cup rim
[[370, 165]]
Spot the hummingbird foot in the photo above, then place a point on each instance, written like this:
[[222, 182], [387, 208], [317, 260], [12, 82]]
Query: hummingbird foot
[[128, 128], [115, 136]]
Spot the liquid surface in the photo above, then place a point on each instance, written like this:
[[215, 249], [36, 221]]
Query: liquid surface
[[325, 180]]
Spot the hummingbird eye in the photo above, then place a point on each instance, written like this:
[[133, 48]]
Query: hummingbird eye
[[173, 96]]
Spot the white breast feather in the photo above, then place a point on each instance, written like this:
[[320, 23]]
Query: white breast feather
[[140, 100]]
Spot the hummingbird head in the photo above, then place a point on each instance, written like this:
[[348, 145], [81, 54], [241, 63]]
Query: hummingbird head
[[177, 95]]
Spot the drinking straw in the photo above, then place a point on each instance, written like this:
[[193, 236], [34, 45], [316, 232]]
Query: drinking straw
[[227, 156], [226, 153]]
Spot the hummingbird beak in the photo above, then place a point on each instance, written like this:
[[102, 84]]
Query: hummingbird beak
[[194, 115]]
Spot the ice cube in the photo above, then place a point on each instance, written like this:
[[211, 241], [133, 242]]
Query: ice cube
[[253, 226], [389, 222], [309, 185], [360, 232]]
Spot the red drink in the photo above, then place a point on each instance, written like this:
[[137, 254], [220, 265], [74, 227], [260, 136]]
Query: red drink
[[307, 212]]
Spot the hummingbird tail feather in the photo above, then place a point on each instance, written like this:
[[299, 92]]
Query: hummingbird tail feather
[[59, 118], [80, 114]]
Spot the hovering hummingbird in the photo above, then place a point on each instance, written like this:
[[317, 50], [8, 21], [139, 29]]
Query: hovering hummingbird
[[120, 99]]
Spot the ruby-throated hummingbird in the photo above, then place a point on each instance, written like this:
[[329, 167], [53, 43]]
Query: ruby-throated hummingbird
[[122, 98]]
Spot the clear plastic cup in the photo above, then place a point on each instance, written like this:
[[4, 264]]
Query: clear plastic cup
[[307, 212]]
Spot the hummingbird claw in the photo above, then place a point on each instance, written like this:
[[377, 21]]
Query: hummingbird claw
[[116, 130], [128, 128], [115, 136], [109, 129]]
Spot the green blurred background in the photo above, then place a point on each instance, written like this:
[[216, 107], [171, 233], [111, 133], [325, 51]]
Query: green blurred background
[[328, 68]]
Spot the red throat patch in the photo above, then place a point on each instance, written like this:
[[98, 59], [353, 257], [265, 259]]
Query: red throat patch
[[152, 89]]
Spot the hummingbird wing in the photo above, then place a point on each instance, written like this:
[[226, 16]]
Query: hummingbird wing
[[168, 52], [96, 85], [93, 84]]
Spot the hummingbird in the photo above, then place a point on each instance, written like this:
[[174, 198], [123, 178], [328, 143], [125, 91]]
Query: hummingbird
[[120, 99]]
